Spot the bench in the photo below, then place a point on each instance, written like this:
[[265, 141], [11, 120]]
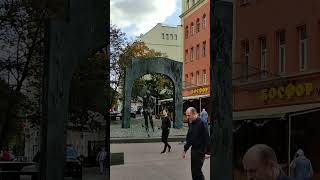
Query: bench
[[15, 175], [117, 159], [113, 117]]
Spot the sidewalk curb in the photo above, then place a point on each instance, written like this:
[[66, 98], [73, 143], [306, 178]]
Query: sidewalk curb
[[145, 140]]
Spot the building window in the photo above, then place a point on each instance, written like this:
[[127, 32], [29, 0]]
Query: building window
[[186, 56], [162, 35], [186, 80], [191, 55], [246, 54], [192, 80], [187, 32], [198, 78], [198, 51], [281, 36], [204, 44], [204, 21], [204, 77], [167, 35], [263, 57], [175, 37], [193, 2], [191, 29], [303, 48], [198, 25], [171, 36], [188, 5], [243, 2]]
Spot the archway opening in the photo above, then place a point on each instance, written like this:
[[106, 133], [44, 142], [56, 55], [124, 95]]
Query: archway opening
[[158, 65]]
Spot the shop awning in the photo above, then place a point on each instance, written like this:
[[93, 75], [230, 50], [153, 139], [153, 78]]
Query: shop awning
[[196, 97], [187, 97], [275, 112]]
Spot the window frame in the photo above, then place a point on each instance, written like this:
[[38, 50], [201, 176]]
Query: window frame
[[192, 54], [192, 79], [191, 29], [204, 74], [204, 48], [281, 39], [204, 21], [263, 57], [186, 32], [198, 51], [198, 25], [303, 41], [197, 78], [186, 56], [246, 47]]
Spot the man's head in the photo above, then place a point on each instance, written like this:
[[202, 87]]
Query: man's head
[[299, 153], [260, 163], [165, 113], [191, 114], [203, 109]]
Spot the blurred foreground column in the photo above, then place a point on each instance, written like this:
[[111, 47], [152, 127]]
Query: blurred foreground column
[[221, 31], [75, 30]]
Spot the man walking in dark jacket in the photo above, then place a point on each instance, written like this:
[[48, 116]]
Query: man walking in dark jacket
[[198, 139]]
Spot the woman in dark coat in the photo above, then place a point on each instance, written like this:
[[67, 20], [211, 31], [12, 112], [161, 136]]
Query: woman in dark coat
[[165, 131]]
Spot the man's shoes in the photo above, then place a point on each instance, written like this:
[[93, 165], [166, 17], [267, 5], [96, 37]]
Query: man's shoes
[[162, 152]]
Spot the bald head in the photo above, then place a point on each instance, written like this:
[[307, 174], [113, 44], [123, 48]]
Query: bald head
[[260, 162], [191, 113], [262, 152]]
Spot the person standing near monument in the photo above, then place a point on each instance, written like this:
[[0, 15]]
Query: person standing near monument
[[148, 105], [165, 131]]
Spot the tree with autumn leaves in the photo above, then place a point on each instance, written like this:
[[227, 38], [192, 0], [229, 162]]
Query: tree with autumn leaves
[[122, 55]]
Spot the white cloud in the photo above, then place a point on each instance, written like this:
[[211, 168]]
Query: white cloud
[[139, 16]]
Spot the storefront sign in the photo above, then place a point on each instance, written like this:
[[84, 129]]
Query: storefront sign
[[289, 91], [200, 90]]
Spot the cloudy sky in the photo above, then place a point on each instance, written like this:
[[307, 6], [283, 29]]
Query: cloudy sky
[[139, 16]]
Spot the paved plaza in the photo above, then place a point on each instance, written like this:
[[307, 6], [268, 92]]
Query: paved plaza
[[88, 174], [143, 161], [137, 131]]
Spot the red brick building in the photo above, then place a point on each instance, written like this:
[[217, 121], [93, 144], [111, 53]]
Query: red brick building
[[196, 46], [277, 76]]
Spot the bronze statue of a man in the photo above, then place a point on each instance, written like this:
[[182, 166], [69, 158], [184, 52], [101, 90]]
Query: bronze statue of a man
[[148, 106]]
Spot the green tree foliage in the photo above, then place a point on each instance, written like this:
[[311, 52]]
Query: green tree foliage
[[160, 86], [88, 92], [121, 56], [21, 47]]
